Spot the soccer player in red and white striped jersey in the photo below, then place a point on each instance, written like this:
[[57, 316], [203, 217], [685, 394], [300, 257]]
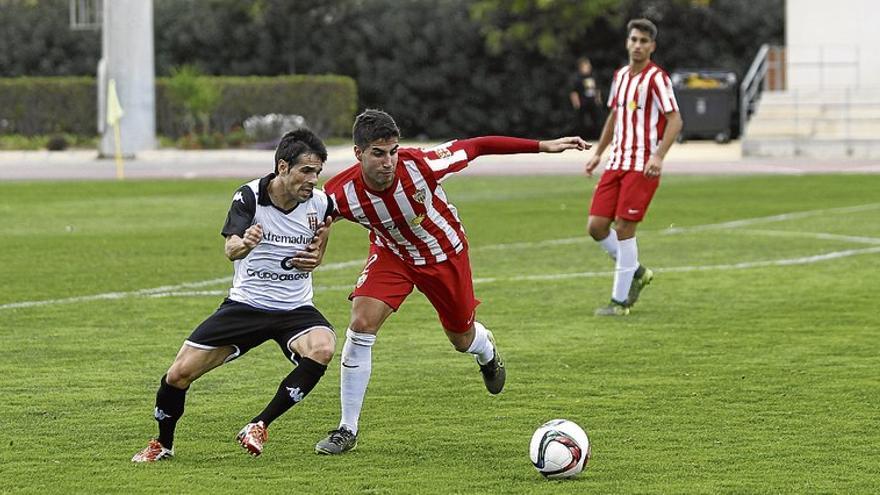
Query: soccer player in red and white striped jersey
[[417, 241], [642, 124]]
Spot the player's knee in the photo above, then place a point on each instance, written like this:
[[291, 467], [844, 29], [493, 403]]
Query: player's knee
[[598, 230], [626, 230], [364, 324], [460, 347], [321, 352], [460, 341], [179, 376]]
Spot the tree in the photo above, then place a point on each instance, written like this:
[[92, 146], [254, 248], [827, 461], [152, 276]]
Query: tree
[[443, 68], [546, 25], [36, 40]]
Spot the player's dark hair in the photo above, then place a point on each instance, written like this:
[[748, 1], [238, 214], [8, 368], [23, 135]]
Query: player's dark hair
[[643, 25], [372, 125], [297, 143]]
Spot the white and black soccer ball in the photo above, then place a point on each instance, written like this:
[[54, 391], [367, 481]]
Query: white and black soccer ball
[[560, 449]]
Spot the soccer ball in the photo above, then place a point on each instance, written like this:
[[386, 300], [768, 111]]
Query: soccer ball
[[560, 449]]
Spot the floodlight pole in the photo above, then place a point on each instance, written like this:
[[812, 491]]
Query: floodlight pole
[[127, 56]]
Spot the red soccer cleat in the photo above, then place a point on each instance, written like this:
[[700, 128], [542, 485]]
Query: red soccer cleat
[[153, 452], [252, 437]]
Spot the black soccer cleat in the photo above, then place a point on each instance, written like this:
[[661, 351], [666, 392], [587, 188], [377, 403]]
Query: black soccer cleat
[[493, 372]]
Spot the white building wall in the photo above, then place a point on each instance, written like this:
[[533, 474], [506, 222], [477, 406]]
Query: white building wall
[[829, 43]]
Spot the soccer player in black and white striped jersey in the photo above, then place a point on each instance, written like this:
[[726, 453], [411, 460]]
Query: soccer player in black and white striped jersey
[[275, 238]]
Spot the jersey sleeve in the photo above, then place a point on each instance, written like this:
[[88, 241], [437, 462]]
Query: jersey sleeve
[[663, 94], [241, 212], [454, 156], [613, 93], [331, 209]]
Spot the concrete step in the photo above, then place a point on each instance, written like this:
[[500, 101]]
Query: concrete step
[[822, 95], [826, 123], [816, 111], [866, 125], [790, 132], [765, 147]]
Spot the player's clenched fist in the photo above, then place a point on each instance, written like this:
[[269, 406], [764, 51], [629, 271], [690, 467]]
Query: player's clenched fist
[[252, 236], [309, 259]]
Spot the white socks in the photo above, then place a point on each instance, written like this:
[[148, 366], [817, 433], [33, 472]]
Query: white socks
[[356, 366], [481, 347], [609, 244], [624, 269]]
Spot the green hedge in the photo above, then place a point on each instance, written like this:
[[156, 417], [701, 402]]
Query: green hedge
[[33, 106], [48, 105]]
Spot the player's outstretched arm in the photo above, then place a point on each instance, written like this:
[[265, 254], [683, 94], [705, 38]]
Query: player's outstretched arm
[[564, 143], [238, 247], [312, 256], [506, 145]]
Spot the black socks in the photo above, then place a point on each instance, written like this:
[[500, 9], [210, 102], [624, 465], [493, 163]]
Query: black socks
[[293, 389], [169, 409]]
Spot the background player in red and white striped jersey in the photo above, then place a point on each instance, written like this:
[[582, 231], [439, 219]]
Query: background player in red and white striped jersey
[[417, 240], [642, 124]]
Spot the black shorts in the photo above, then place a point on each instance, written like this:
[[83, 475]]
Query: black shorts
[[245, 327]]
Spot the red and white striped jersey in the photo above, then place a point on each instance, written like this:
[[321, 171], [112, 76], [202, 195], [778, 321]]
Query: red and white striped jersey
[[413, 217], [641, 103]]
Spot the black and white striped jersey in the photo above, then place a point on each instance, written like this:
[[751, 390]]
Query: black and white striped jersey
[[265, 278]]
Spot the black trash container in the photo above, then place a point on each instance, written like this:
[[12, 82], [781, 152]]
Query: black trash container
[[708, 101]]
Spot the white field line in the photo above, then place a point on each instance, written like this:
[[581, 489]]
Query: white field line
[[165, 289], [773, 218], [173, 291], [168, 290], [697, 228], [803, 260], [812, 235], [114, 295], [531, 244]]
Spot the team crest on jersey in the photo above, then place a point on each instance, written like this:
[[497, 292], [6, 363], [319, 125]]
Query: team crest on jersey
[[313, 220], [419, 196], [633, 105], [443, 152], [417, 219]]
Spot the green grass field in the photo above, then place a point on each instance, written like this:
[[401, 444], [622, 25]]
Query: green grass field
[[750, 365]]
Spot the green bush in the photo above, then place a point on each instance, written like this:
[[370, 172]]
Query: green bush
[[197, 94], [50, 105], [328, 103], [44, 141]]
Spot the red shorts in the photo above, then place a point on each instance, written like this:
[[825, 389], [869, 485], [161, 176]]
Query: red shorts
[[623, 194], [448, 285]]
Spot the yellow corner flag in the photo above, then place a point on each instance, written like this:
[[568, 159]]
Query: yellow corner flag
[[114, 115]]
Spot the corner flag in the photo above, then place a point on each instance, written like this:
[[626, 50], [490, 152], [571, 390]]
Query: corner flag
[[114, 115]]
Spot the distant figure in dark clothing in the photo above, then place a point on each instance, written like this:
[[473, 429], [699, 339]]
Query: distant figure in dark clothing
[[586, 100]]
